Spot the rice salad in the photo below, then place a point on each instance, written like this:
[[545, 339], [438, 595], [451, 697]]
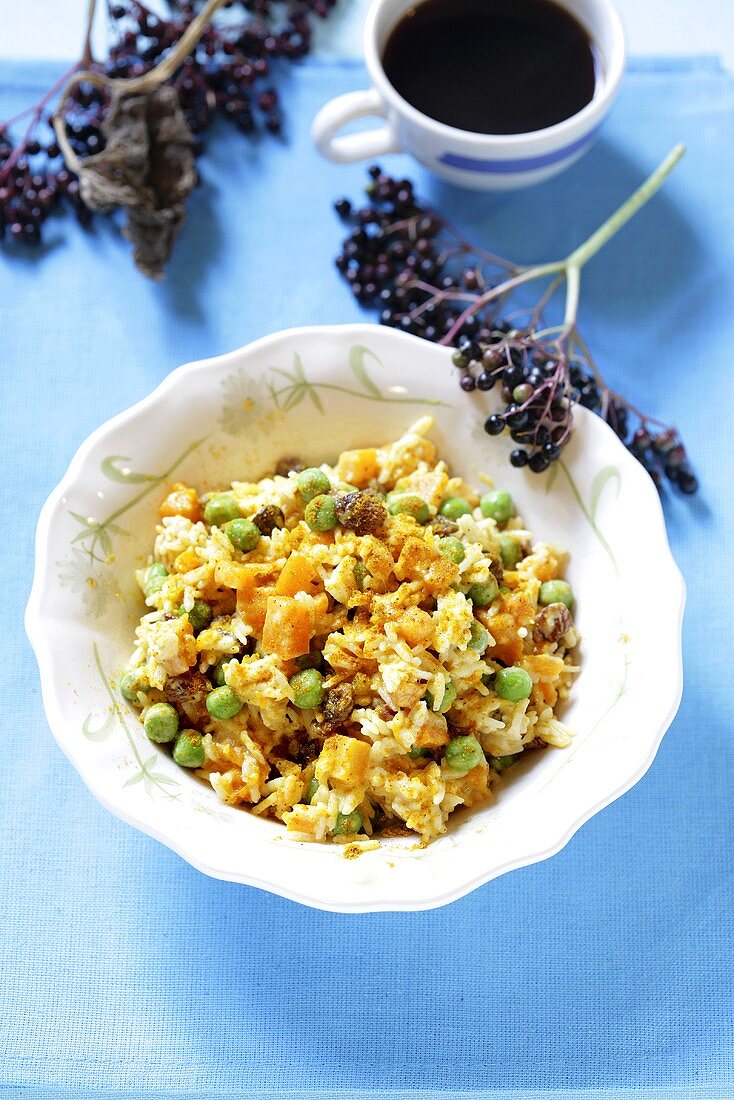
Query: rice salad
[[356, 650]]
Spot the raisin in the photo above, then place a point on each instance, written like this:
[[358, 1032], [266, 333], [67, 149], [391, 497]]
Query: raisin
[[268, 518]]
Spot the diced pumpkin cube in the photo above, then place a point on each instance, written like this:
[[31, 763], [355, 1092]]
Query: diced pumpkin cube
[[358, 467], [253, 606], [544, 666], [508, 645], [343, 761], [182, 500], [230, 574], [187, 560], [287, 628], [298, 575]]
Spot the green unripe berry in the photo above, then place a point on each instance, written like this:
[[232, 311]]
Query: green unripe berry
[[220, 509], [188, 750], [161, 723], [320, 513], [312, 483]]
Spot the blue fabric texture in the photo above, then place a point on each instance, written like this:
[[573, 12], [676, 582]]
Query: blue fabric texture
[[601, 973]]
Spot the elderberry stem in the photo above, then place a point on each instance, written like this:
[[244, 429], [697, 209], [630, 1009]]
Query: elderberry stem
[[626, 211], [87, 57], [148, 81], [573, 291], [527, 275]]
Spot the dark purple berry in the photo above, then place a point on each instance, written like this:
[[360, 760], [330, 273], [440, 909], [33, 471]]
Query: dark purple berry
[[687, 482], [494, 424], [538, 463]]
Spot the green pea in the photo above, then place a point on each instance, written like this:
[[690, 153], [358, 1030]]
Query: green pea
[[154, 577], [482, 594], [502, 763], [200, 615], [243, 534], [309, 660], [513, 683], [556, 592], [497, 505], [188, 750], [217, 672], [311, 789], [509, 551], [130, 684], [478, 638], [418, 754], [220, 509], [453, 507], [308, 688], [312, 483], [348, 824], [361, 575], [449, 698], [320, 513], [223, 703], [451, 548], [161, 723], [344, 487], [408, 504], [463, 753]]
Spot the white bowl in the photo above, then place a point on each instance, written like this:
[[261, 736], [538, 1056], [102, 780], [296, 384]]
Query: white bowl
[[313, 392]]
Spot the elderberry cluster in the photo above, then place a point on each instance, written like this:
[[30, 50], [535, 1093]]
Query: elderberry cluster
[[394, 260], [534, 387], [403, 259], [229, 74]]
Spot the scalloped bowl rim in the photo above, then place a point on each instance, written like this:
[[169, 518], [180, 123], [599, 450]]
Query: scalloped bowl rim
[[73, 750]]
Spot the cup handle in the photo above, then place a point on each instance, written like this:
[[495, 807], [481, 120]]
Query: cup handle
[[351, 147]]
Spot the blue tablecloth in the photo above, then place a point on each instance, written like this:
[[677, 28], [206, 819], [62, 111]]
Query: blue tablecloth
[[605, 970]]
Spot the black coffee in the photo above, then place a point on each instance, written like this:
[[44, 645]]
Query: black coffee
[[492, 66]]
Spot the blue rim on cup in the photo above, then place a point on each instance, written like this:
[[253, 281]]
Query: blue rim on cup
[[485, 162]]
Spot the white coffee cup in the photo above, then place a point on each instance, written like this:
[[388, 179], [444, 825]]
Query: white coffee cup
[[490, 162]]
